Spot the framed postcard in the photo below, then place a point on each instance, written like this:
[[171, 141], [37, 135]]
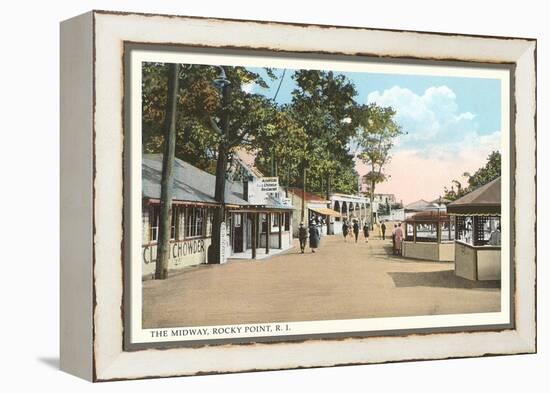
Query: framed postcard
[[242, 195]]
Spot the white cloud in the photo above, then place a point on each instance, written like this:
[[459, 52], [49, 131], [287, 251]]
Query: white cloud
[[442, 142], [432, 120]]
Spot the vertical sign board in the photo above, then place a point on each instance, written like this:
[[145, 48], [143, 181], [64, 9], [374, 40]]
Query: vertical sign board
[[223, 242]]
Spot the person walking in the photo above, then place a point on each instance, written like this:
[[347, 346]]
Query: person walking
[[383, 228], [314, 236], [356, 230], [345, 229], [398, 239], [302, 236], [393, 238], [366, 232]]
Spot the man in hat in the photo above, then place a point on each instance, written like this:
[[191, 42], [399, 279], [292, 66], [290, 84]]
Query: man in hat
[[302, 236]]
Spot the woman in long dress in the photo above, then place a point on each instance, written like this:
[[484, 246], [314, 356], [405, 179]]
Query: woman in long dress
[[398, 239], [345, 230], [314, 236]]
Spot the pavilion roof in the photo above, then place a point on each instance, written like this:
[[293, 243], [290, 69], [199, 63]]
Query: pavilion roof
[[428, 216], [483, 200]]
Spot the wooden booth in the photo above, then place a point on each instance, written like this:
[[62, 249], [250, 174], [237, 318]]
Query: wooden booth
[[477, 237], [429, 235]]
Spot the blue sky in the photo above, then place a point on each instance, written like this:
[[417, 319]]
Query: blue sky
[[452, 124], [476, 99]]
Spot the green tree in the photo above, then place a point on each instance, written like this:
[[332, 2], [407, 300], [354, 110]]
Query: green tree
[[279, 147], [198, 100], [376, 138], [216, 117], [487, 173], [323, 105]]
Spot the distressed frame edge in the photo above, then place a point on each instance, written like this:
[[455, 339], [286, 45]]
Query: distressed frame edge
[[128, 346], [529, 340], [76, 209]]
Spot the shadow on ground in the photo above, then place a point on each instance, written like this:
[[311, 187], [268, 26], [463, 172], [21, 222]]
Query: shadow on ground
[[52, 362], [442, 279]]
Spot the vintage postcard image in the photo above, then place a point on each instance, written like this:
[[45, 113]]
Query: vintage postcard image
[[279, 198]]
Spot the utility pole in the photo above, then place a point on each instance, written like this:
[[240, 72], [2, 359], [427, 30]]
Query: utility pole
[[214, 253], [167, 180]]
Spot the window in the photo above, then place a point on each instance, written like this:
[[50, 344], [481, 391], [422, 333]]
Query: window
[[485, 226], [409, 228], [238, 220], [447, 230], [154, 217], [287, 221], [275, 220], [426, 232], [209, 221], [195, 222], [464, 229], [173, 223], [154, 222]]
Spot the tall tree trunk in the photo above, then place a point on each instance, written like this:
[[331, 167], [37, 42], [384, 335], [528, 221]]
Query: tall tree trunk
[[304, 178], [219, 193], [167, 180], [372, 185], [329, 185], [274, 166]]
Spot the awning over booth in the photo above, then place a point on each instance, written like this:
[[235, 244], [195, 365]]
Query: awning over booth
[[325, 211], [483, 201]]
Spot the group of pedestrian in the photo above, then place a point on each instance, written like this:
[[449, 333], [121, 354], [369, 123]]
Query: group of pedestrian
[[352, 230], [312, 232], [397, 238]]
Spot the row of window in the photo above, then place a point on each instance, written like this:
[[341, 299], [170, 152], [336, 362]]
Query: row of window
[[197, 222], [285, 221], [479, 230], [428, 231], [476, 231]]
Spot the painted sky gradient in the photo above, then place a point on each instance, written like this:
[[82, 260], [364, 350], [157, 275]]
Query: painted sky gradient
[[452, 124]]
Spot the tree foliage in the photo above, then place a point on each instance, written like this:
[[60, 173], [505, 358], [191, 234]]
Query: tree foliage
[[323, 105], [375, 138], [200, 109], [314, 131], [487, 173]]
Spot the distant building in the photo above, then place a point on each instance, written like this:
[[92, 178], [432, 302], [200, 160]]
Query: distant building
[[421, 206], [350, 207], [385, 199], [317, 209]]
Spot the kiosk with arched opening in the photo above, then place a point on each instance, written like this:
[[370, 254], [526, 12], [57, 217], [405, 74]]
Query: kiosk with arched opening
[[429, 235]]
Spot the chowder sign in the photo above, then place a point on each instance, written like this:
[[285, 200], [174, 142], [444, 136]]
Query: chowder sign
[[182, 253]]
